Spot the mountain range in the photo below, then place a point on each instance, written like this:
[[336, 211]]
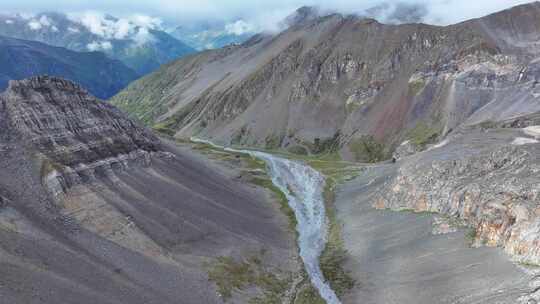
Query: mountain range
[[138, 43], [341, 160], [102, 76], [348, 84]]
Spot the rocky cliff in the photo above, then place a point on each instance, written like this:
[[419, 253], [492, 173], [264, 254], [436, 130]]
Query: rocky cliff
[[484, 177], [348, 84], [96, 209], [74, 131]]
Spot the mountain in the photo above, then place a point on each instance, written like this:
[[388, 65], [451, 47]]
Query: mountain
[[102, 76], [348, 84], [141, 45], [96, 209], [213, 35]]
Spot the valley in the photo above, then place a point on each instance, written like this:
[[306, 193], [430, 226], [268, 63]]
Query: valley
[[336, 159]]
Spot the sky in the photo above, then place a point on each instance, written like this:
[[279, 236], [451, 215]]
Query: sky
[[260, 15]]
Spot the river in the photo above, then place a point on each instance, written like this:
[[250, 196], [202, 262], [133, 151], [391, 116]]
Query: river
[[303, 186]]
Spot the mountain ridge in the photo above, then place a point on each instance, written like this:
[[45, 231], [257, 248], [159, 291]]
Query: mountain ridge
[[102, 76], [143, 49], [345, 82]]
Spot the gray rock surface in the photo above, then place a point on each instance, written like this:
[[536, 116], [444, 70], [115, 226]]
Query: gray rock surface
[[484, 185], [134, 220], [330, 81], [395, 258]]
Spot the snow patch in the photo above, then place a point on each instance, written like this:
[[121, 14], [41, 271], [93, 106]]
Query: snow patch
[[34, 25], [439, 145], [519, 141], [533, 131], [405, 143]]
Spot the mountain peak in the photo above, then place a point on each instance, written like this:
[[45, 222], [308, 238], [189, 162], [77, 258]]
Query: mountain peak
[[302, 15]]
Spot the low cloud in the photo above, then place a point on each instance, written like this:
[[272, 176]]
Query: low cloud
[[259, 15], [42, 22], [99, 46], [135, 27], [240, 27]]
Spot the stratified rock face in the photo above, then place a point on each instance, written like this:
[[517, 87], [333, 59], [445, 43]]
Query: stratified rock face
[[71, 128], [96, 209], [482, 177], [63, 121], [339, 78]]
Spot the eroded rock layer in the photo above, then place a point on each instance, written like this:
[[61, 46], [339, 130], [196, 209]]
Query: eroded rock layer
[[96, 209]]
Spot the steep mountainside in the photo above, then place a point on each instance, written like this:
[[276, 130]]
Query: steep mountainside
[[348, 84], [95, 209], [142, 48], [102, 76]]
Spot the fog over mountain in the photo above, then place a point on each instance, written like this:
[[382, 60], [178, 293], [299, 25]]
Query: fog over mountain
[[266, 15]]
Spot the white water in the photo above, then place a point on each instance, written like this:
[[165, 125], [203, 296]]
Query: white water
[[303, 186]]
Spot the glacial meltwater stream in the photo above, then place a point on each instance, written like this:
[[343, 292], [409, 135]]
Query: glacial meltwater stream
[[303, 186]]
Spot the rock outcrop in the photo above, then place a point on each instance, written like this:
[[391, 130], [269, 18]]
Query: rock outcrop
[[480, 177], [77, 135], [96, 209], [330, 82]]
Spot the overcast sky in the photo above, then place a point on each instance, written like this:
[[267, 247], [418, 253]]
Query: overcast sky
[[262, 12]]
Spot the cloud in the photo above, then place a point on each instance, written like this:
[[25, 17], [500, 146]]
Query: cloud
[[143, 36], [34, 25], [265, 14], [8, 21], [73, 29], [135, 27], [42, 22], [99, 46], [240, 27]]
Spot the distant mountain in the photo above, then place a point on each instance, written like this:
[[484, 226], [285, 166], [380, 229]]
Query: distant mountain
[[102, 76], [140, 44], [214, 35], [349, 84]]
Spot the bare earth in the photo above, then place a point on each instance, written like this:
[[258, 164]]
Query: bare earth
[[395, 258]]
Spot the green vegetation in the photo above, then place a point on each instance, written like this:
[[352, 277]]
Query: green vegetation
[[48, 166], [163, 129], [334, 255], [326, 145], [423, 134], [367, 149], [284, 204], [470, 236], [273, 142], [416, 86], [488, 124], [309, 295], [300, 150], [230, 275], [528, 264]]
